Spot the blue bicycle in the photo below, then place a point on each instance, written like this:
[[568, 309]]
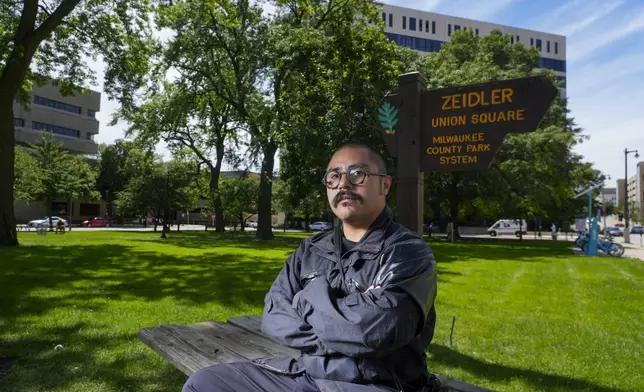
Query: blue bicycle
[[605, 244]]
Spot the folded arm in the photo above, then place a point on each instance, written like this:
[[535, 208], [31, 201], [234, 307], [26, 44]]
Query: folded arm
[[379, 320], [280, 320]]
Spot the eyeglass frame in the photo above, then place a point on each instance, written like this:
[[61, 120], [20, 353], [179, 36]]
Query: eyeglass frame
[[367, 173]]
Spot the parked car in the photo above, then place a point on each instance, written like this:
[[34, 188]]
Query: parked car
[[97, 222], [637, 230], [45, 221], [320, 226], [614, 231], [251, 224]]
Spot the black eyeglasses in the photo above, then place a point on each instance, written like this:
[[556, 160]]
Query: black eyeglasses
[[356, 176]]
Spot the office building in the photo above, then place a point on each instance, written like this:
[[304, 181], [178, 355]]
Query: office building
[[71, 119], [428, 31], [635, 190]]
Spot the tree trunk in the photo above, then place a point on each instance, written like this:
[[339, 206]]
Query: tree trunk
[[242, 221], [8, 235], [264, 212], [69, 214], [215, 198], [10, 81]]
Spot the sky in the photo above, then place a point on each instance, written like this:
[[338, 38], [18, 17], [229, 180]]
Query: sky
[[604, 70]]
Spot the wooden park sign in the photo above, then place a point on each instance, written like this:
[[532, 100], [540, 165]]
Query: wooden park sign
[[455, 128]]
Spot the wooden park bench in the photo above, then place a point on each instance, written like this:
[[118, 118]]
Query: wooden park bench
[[192, 347]]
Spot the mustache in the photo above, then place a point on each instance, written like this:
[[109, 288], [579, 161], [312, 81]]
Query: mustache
[[349, 194]]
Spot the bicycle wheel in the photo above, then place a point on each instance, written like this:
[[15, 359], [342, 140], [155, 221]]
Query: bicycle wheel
[[616, 250]]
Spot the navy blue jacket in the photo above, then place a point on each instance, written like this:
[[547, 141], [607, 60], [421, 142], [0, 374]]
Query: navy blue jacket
[[364, 316]]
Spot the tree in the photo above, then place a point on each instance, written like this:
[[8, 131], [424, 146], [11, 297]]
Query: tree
[[187, 118], [260, 66], [159, 189], [63, 176], [49, 39], [29, 176], [239, 197], [117, 164], [610, 208]]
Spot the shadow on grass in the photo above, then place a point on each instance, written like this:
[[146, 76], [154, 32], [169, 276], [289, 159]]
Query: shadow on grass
[[115, 271], [81, 361], [542, 381], [40, 279]]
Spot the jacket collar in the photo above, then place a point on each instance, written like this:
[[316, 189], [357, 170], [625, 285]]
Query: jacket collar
[[369, 246]]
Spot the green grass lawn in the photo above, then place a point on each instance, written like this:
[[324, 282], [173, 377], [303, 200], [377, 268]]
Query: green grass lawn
[[529, 316]]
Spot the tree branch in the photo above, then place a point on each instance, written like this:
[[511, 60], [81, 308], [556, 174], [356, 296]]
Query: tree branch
[[55, 19]]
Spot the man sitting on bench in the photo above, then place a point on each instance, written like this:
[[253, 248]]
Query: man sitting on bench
[[60, 226], [358, 301]]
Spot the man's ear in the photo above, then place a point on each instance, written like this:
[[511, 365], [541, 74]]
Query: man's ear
[[387, 184]]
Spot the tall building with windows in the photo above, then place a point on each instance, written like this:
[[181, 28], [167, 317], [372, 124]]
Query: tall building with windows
[[428, 31], [71, 119]]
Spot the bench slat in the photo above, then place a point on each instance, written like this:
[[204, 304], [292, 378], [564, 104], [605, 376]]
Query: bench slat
[[249, 323], [243, 342], [186, 348]]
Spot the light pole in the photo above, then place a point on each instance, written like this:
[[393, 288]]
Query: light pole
[[627, 236]]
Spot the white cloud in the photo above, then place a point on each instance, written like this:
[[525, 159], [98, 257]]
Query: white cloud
[[603, 9], [587, 46]]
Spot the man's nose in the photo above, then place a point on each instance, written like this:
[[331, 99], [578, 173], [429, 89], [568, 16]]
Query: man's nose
[[344, 181]]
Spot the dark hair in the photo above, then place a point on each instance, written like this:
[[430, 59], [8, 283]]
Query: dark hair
[[373, 154]]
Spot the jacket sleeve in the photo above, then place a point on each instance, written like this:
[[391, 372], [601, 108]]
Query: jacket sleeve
[[385, 317], [280, 319]]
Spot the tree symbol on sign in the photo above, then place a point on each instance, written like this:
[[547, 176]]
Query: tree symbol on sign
[[388, 116]]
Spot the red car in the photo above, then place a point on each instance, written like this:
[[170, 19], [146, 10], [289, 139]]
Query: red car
[[96, 222]]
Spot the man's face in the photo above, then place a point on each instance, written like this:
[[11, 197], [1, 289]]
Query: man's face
[[355, 203]]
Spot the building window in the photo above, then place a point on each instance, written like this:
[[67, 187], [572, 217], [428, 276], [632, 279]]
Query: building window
[[404, 22], [423, 44], [89, 136], [518, 38], [91, 113], [531, 41], [477, 31], [412, 24], [391, 20], [449, 30], [420, 25], [427, 26], [433, 27], [539, 44], [457, 27], [56, 105], [556, 47], [512, 39], [18, 122], [548, 46], [384, 17], [55, 129]]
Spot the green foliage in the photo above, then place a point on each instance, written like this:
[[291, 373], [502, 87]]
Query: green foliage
[[29, 176], [239, 197], [159, 189], [62, 175]]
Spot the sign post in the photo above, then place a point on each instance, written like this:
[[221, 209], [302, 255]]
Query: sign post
[[455, 128]]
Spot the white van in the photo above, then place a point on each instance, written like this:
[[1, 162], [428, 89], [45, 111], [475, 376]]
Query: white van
[[508, 226]]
